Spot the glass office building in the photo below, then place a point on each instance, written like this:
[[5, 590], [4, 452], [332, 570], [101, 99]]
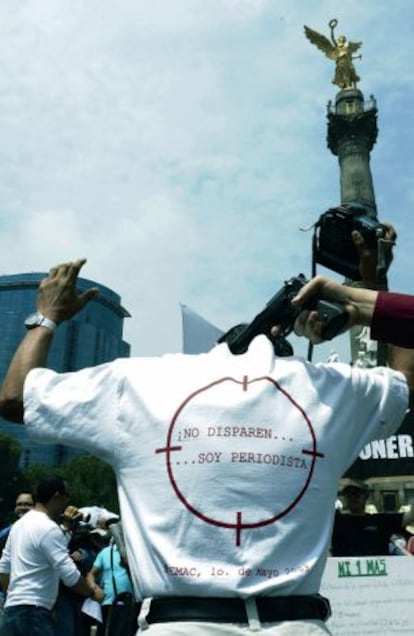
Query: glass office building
[[92, 337]]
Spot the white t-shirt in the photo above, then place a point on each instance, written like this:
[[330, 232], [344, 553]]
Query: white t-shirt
[[227, 466], [36, 557]]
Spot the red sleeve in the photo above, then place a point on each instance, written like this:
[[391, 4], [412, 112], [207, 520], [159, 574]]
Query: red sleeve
[[393, 319]]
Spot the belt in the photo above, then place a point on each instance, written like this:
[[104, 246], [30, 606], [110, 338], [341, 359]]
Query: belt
[[233, 610]]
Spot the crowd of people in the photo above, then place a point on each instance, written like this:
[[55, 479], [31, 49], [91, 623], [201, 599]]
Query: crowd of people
[[358, 531], [112, 608], [66, 561], [214, 533]]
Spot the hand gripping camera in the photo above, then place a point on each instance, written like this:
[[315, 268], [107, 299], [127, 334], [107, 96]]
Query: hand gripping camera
[[280, 311], [333, 245]]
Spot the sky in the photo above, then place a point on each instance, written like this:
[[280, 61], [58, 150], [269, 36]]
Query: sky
[[179, 145]]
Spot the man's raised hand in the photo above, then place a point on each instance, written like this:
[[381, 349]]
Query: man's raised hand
[[57, 297]]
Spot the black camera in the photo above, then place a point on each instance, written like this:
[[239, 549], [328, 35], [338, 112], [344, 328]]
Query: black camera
[[333, 245]]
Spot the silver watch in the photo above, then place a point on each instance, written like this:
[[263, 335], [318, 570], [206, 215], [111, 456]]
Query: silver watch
[[39, 320]]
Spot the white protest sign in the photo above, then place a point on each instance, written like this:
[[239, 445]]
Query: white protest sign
[[370, 595]]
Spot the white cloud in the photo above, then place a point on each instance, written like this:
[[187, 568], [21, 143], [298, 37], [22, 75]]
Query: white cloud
[[180, 144]]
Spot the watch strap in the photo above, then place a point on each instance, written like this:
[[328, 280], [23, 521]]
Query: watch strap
[[39, 320], [47, 322]]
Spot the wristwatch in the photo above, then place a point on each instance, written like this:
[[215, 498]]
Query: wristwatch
[[39, 320]]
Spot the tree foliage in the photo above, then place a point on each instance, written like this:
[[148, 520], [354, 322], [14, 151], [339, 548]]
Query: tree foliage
[[10, 451], [91, 482]]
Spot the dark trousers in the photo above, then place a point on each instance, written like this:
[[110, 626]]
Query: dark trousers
[[29, 620], [119, 620], [70, 621]]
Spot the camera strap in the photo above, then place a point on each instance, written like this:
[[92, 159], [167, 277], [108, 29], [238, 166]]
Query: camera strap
[[382, 263], [381, 275], [313, 274]]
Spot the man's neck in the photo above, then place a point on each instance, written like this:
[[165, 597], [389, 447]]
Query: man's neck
[[42, 508]]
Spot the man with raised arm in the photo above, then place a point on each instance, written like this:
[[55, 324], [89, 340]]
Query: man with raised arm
[[221, 461], [35, 559]]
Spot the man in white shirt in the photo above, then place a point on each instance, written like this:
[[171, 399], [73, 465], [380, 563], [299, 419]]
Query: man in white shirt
[[34, 559], [221, 461]]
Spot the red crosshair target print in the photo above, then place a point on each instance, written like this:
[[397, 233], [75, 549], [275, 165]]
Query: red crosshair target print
[[232, 436]]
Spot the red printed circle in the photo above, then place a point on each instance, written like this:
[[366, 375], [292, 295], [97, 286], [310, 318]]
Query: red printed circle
[[235, 474]]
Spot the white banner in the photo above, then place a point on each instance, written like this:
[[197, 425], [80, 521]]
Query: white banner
[[199, 335], [370, 595]]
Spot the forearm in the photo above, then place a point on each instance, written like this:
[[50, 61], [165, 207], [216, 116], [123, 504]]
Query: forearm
[[358, 302], [364, 301], [57, 300], [90, 578], [31, 353], [87, 589]]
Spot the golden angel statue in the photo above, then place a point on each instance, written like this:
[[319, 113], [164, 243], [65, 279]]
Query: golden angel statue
[[341, 51]]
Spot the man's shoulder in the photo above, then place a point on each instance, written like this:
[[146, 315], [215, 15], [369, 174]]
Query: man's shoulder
[[37, 520]]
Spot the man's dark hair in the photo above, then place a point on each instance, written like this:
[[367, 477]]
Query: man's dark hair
[[231, 334], [48, 486], [281, 346]]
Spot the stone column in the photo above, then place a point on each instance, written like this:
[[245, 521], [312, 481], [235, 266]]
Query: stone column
[[352, 133]]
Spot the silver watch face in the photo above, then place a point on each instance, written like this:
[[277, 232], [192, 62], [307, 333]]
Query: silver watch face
[[34, 320]]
